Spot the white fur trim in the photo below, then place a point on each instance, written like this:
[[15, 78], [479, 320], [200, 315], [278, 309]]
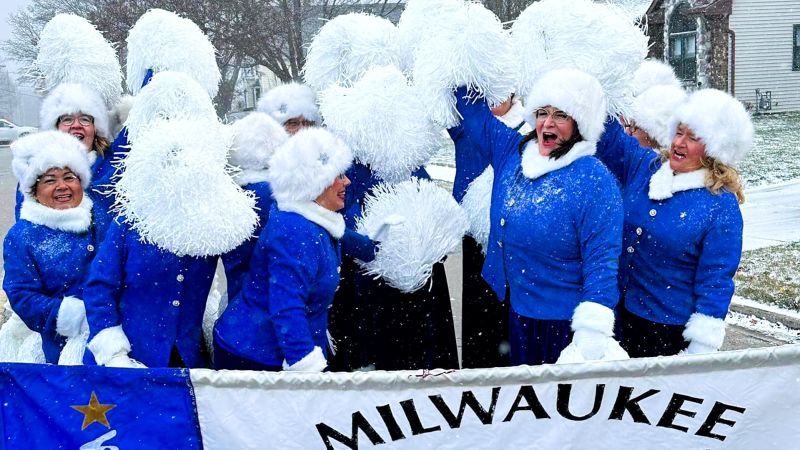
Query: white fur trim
[[171, 96], [535, 165], [71, 316], [721, 123], [75, 98], [108, 343], [250, 176], [161, 40], [346, 47], [37, 153], [597, 38], [434, 226], [309, 162], [333, 222], [652, 110], [91, 60], [379, 119], [651, 73], [314, 361], [177, 193], [255, 139], [574, 92], [665, 182], [477, 204], [515, 115], [705, 330], [72, 220], [290, 100], [595, 317]]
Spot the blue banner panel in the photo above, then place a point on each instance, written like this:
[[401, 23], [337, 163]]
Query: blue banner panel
[[90, 407]]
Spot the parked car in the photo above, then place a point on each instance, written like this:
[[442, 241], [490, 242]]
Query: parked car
[[10, 132]]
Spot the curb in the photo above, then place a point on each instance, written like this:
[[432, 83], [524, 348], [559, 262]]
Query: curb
[[772, 316]]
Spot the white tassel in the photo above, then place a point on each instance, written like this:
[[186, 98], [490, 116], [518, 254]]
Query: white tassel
[[380, 120], [595, 38], [348, 45], [176, 190], [161, 40], [434, 225], [476, 204], [71, 50]]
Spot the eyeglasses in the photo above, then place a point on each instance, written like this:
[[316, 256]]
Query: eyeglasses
[[558, 116], [299, 123], [50, 180], [83, 119], [630, 126]]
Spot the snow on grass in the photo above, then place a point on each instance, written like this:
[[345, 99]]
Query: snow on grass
[[762, 326], [771, 275]]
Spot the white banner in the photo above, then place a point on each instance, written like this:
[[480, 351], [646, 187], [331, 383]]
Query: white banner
[[745, 399]]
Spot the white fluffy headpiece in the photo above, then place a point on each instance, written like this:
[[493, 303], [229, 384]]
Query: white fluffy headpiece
[[309, 162], [71, 50], [653, 72], [462, 44], [255, 138], [346, 46], [433, 227], [71, 98], [574, 92], [37, 153], [379, 118], [653, 109], [288, 101], [476, 203], [595, 38], [720, 121], [170, 95], [161, 40], [177, 193]]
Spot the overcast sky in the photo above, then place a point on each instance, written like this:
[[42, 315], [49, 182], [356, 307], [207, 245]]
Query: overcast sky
[[6, 8]]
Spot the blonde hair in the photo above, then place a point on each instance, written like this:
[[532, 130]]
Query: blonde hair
[[101, 144], [720, 176]]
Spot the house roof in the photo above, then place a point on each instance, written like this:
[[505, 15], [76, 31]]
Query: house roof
[[655, 13]]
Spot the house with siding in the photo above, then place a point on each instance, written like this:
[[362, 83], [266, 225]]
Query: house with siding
[[749, 48]]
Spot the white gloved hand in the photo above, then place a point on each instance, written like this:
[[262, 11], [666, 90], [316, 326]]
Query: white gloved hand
[[124, 361], [383, 230], [314, 361], [591, 344]]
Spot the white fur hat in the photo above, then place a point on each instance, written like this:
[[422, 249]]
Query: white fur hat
[[37, 153], [653, 108], [71, 98], [651, 73], [290, 100], [255, 139], [574, 92], [306, 164], [720, 121]]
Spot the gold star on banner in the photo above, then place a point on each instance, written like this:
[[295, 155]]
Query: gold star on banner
[[94, 412]]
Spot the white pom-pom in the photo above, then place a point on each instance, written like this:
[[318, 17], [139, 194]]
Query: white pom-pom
[[176, 191], [170, 95], [161, 40], [71, 50], [434, 225], [595, 38], [379, 118], [476, 203], [467, 47], [348, 45], [18, 343], [418, 20]]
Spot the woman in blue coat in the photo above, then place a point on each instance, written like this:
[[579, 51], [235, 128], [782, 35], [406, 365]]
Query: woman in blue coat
[[682, 236], [48, 251], [556, 219], [280, 319]]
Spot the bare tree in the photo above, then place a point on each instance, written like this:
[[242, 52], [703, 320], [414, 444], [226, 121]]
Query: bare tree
[[507, 10], [8, 94]]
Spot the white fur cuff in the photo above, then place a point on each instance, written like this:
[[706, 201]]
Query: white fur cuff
[[312, 362], [108, 343], [595, 317], [71, 316], [706, 330]]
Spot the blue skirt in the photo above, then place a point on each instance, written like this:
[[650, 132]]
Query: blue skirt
[[535, 341]]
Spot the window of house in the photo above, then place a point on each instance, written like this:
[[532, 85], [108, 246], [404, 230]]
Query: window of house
[[257, 93], [683, 44], [796, 49]]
